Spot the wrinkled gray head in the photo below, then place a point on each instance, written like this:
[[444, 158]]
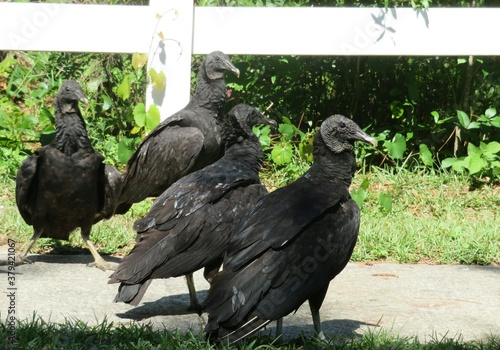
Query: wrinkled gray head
[[71, 92], [339, 134], [216, 63], [248, 116]]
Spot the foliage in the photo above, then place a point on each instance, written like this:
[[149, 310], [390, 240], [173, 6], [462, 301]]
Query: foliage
[[38, 333], [407, 103]]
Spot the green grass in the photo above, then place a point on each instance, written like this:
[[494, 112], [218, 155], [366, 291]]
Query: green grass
[[37, 334], [434, 219]]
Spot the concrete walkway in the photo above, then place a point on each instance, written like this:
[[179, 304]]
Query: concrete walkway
[[428, 301]]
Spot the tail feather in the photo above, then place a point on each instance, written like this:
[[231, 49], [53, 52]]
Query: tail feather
[[132, 293], [222, 336]]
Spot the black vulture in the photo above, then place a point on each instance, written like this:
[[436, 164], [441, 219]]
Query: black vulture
[[66, 185], [188, 225], [187, 141], [292, 244]]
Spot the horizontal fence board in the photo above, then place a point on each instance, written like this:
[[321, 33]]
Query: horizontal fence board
[[259, 31], [347, 31], [75, 27]]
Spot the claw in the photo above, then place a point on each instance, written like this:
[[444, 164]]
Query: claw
[[104, 265]]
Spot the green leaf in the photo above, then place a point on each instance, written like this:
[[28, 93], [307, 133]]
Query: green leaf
[[125, 150], [448, 162], [262, 133], [152, 117], [140, 115], [461, 60], [425, 154], [492, 148], [159, 80], [282, 153], [286, 131], [463, 119], [359, 196], [435, 114], [473, 150], [490, 112], [139, 60], [476, 164], [385, 201], [460, 164], [107, 103], [397, 146], [124, 89]]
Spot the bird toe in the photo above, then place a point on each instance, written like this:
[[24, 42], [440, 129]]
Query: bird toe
[[104, 265]]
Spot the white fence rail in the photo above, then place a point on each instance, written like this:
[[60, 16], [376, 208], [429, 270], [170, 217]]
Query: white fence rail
[[239, 30]]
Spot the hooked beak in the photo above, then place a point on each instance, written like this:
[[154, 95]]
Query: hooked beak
[[365, 138]]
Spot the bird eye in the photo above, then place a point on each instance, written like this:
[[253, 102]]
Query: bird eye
[[217, 58], [342, 125]]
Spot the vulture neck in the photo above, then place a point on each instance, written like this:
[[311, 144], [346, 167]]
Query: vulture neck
[[71, 134], [329, 166], [247, 152], [210, 93]]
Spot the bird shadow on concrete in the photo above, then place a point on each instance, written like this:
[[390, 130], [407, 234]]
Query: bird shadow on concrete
[[70, 258], [172, 305], [345, 328]]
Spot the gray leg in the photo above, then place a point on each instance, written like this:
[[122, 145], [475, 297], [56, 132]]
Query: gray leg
[[279, 327], [195, 305], [317, 322], [21, 259], [99, 262]]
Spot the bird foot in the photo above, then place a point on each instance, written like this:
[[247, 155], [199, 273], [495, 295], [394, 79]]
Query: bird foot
[[321, 336], [20, 260], [195, 307], [104, 265], [16, 260]]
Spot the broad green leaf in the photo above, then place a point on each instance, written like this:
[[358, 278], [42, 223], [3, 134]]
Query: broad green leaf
[[463, 119], [461, 60], [359, 196], [140, 115], [107, 103], [282, 153], [262, 133], [460, 164], [125, 150], [152, 117], [496, 122], [425, 154], [135, 130], [139, 60], [490, 112], [448, 162], [159, 80], [397, 146], [492, 148], [286, 131], [473, 150], [385, 201], [365, 184], [473, 125], [476, 164], [124, 89]]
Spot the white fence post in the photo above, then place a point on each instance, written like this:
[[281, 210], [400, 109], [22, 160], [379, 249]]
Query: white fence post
[[170, 53]]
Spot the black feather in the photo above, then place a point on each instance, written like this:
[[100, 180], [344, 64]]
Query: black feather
[[184, 142], [292, 244], [66, 185], [188, 225]]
